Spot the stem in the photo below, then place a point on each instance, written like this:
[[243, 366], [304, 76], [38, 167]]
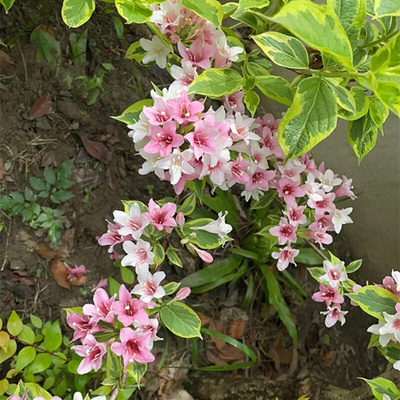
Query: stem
[[382, 39], [317, 250], [36, 347], [115, 392]]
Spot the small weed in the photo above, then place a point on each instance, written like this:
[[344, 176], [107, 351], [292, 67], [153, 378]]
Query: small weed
[[54, 188], [149, 189]]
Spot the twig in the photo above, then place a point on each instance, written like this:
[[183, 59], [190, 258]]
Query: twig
[[115, 392], [23, 62], [317, 250], [6, 249]]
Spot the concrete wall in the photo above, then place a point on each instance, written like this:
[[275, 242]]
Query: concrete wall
[[375, 234]]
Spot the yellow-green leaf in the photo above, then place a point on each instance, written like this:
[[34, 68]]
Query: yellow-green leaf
[[4, 340], [133, 11], [362, 135], [181, 320], [4, 384], [276, 88], [131, 114], [216, 82], [389, 93], [319, 27], [344, 97], [375, 300], [283, 50], [251, 99], [386, 60], [14, 324], [159, 254], [189, 205], [378, 111], [27, 335], [387, 7], [361, 103], [311, 118], [25, 357], [37, 391], [7, 4], [76, 12], [211, 10], [173, 257], [9, 352]]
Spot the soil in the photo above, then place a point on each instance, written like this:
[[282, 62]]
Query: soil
[[337, 356]]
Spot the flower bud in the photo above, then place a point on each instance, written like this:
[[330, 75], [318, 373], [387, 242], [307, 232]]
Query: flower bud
[[180, 219], [183, 293]]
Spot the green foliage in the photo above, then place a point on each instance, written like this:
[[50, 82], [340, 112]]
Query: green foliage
[[131, 114], [382, 386], [48, 48], [7, 4], [76, 12], [208, 9]]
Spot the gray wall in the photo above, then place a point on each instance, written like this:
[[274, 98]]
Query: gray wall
[[375, 234]]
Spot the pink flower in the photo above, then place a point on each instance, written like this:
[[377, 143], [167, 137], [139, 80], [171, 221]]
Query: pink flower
[[128, 309], [76, 273], [284, 232], [334, 274], [160, 113], [292, 169], [238, 171], [163, 139], [177, 163], [319, 235], [259, 179], [132, 224], [241, 128], [180, 219], [199, 53], [285, 256], [295, 215], [138, 255], [334, 314], [328, 294], [102, 283], [202, 139], [326, 204], [204, 255], [132, 347], [82, 325], [234, 102], [184, 76], [112, 237], [345, 189], [151, 329], [289, 190], [92, 351], [102, 308], [149, 285], [161, 217], [186, 110]]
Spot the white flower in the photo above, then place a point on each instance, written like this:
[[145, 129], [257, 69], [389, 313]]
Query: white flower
[[334, 273], [396, 277], [140, 129], [132, 223], [218, 227], [385, 338], [177, 163], [156, 50], [341, 217], [138, 255], [149, 285], [328, 180], [312, 188], [78, 396], [392, 325]]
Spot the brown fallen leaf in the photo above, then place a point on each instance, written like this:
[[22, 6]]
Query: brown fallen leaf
[[212, 356], [217, 326], [45, 251], [21, 276], [47, 27], [4, 59], [230, 353], [96, 149], [49, 159], [67, 243], [41, 106], [60, 273], [3, 171], [111, 177], [204, 319], [236, 328]]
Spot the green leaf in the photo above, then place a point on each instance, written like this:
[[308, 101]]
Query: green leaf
[[25, 357], [362, 136], [309, 256], [315, 272], [113, 285], [135, 52], [319, 27], [210, 10], [173, 257], [200, 237], [29, 196], [37, 391], [189, 205], [11, 349], [353, 266], [283, 50], [377, 111], [215, 82], [213, 272], [50, 176], [74, 310], [252, 99], [276, 88], [14, 324], [181, 320], [361, 103], [119, 27], [136, 371], [381, 386], [4, 384], [386, 7], [159, 254], [387, 89], [61, 196], [7, 4], [375, 300], [113, 365], [311, 118], [277, 300], [245, 4], [131, 114], [351, 15], [133, 11], [78, 45], [27, 335], [41, 363], [171, 288], [127, 275], [53, 337], [48, 48], [344, 97], [76, 12]]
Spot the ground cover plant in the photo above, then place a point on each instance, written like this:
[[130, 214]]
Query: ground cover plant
[[244, 184]]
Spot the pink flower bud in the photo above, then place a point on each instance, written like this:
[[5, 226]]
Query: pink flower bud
[[183, 293], [180, 219], [204, 255], [397, 307]]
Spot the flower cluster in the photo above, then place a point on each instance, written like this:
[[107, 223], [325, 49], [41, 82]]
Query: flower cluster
[[124, 322], [77, 396]]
